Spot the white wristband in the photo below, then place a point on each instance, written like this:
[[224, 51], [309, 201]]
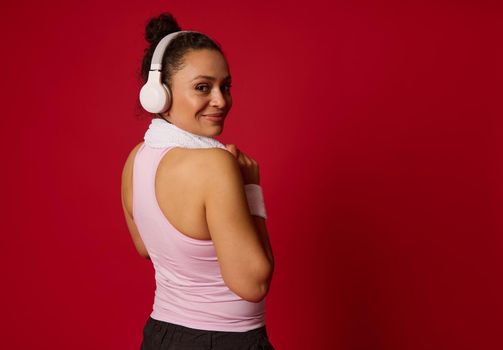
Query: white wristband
[[255, 199]]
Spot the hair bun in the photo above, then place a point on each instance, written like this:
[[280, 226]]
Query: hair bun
[[160, 26]]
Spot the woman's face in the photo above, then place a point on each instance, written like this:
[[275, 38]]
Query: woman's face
[[200, 89]]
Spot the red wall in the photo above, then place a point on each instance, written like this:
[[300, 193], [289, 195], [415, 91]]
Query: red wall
[[377, 127]]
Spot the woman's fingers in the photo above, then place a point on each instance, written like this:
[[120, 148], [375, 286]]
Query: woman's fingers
[[233, 149], [243, 159], [248, 165]]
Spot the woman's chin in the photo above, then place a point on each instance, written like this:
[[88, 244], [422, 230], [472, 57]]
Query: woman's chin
[[217, 130], [214, 129]]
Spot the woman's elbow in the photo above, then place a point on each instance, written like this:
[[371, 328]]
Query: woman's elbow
[[256, 295], [257, 291]]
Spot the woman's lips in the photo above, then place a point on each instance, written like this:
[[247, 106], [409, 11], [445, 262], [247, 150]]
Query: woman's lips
[[214, 117]]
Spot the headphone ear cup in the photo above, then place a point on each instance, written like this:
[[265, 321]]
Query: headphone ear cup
[[154, 95], [167, 103]]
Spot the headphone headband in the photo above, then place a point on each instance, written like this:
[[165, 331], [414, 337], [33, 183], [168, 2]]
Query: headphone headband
[[156, 63]]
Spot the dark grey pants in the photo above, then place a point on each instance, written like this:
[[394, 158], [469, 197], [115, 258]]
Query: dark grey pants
[[160, 335]]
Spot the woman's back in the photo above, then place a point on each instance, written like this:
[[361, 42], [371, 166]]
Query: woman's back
[[179, 194], [190, 289], [176, 194]]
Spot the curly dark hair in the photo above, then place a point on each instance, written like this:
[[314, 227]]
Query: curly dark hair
[[172, 61]]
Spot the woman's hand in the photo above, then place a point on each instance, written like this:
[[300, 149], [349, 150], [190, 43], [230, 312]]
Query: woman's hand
[[248, 165]]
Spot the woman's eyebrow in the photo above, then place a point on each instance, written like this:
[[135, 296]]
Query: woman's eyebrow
[[210, 77]]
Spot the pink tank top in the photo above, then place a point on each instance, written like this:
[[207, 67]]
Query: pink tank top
[[190, 290]]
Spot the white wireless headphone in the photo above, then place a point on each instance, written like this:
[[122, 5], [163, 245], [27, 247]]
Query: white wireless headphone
[[155, 96]]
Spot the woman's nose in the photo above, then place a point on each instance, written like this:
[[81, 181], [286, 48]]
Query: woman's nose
[[218, 99]]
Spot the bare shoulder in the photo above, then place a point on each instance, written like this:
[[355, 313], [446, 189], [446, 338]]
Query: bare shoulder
[[215, 163], [216, 158], [204, 160], [207, 168], [222, 171]]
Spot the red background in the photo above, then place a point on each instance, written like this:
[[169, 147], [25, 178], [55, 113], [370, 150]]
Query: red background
[[377, 127]]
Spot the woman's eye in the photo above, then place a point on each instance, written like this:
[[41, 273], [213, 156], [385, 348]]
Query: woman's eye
[[203, 88]]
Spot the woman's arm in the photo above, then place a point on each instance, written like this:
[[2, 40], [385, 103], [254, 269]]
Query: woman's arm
[[127, 202], [264, 237], [244, 257]]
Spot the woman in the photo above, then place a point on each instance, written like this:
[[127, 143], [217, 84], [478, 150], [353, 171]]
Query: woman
[[186, 207]]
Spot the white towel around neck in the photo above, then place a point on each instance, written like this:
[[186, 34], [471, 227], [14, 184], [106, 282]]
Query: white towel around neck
[[161, 134]]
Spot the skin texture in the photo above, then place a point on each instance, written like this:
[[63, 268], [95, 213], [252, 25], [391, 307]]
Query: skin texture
[[209, 204]]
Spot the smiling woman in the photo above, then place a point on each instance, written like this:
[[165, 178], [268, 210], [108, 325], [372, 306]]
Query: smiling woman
[[193, 205], [201, 102]]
